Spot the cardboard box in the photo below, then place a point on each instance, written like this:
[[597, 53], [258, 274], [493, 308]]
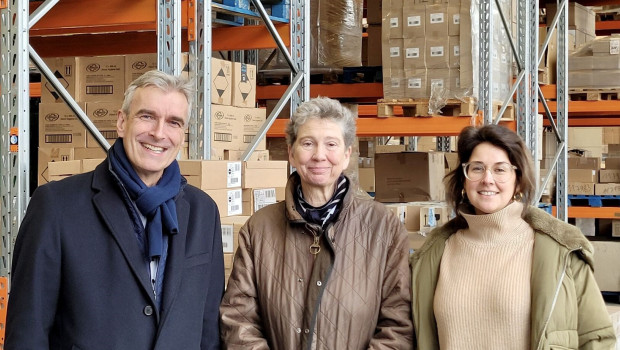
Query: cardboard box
[[51, 154], [415, 49], [63, 69], [580, 188], [606, 262], [230, 233], [252, 119], [263, 174], [69, 167], [416, 83], [394, 81], [392, 19], [436, 25], [612, 163], [228, 201], [90, 164], [244, 85], [438, 81], [615, 228], [221, 82], [454, 50], [100, 78], [89, 153], [255, 199], [258, 155], [390, 149], [60, 126], [414, 19], [211, 174], [138, 64], [609, 189], [437, 54], [433, 216], [592, 163], [398, 209], [454, 19], [395, 49], [395, 182], [366, 179], [609, 176], [104, 116], [582, 175], [586, 225]]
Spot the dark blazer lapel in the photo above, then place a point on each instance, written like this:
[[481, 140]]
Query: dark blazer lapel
[[114, 213], [176, 255]]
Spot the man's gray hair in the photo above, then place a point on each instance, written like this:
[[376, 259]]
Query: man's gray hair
[[163, 81], [322, 108]]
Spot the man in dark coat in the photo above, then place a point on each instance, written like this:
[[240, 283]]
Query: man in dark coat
[[127, 256]]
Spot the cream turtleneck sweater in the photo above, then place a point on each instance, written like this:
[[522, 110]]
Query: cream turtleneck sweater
[[482, 300]]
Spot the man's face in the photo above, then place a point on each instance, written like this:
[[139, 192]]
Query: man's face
[[154, 131]]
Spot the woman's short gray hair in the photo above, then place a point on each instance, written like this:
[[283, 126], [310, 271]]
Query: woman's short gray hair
[[322, 108], [162, 81]]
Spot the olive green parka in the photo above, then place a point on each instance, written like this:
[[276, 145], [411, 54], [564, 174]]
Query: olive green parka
[[568, 311]]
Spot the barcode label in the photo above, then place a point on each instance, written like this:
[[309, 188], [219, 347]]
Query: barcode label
[[436, 18], [100, 90], [109, 134], [223, 137], [264, 197], [234, 202], [227, 238], [233, 177], [59, 138], [436, 51], [414, 21], [248, 138]]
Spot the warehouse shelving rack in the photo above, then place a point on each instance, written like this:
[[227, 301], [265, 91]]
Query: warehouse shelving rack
[[100, 28]]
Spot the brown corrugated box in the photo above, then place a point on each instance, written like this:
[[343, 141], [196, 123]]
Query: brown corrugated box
[[100, 78], [244, 85], [417, 86], [228, 200], [606, 262], [608, 189], [60, 126], [51, 154], [580, 188], [211, 174], [104, 116], [436, 20], [221, 82], [230, 234], [261, 174], [414, 21], [414, 51], [256, 198], [64, 69]]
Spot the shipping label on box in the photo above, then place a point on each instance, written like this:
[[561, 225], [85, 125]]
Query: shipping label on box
[[138, 64], [255, 199], [580, 188], [60, 126], [221, 82], [228, 201], [244, 85], [230, 232], [63, 69], [100, 78]]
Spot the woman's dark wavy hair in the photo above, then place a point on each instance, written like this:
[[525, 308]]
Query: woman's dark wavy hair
[[500, 137]]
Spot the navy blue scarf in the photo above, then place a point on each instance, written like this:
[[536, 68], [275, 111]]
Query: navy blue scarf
[[156, 203]]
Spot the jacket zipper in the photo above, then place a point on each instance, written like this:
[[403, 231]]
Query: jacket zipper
[[555, 297]]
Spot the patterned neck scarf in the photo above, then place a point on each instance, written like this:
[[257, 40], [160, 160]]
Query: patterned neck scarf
[[327, 213]]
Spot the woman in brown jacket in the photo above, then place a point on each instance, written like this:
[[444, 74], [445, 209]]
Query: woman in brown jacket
[[326, 268]]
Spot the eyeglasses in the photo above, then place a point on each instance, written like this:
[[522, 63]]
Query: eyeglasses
[[501, 172]]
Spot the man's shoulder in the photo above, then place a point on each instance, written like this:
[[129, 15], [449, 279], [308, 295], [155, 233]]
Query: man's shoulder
[[194, 195]]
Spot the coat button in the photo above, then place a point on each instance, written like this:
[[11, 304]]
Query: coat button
[[148, 310], [298, 330]]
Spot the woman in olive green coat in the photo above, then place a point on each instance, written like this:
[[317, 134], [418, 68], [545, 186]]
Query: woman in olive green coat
[[503, 274]]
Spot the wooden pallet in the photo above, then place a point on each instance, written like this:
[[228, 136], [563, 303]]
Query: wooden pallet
[[420, 107], [593, 94], [509, 113]]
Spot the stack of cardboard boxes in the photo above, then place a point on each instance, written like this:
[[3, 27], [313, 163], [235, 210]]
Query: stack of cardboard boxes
[[239, 189], [596, 65], [427, 50]]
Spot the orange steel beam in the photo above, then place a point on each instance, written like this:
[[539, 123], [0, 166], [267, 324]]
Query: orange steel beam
[[592, 212], [360, 90], [587, 108], [607, 27], [78, 16], [400, 126], [248, 37], [98, 44], [3, 4], [4, 299], [590, 121], [35, 89]]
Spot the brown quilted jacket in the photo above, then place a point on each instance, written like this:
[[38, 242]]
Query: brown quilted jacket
[[354, 295]]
